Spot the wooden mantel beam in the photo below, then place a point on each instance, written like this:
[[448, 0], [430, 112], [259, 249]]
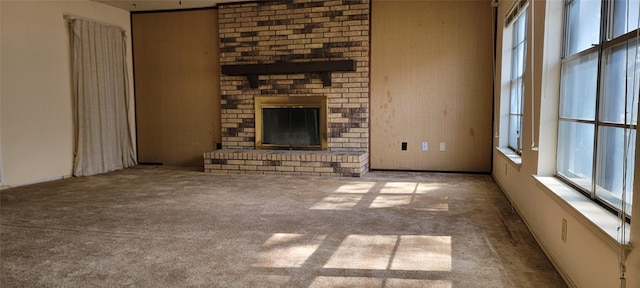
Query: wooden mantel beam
[[324, 68]]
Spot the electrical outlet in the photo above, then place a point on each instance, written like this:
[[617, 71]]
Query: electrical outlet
[[564, 230], [404, 146], [425, 146], [442, 147]]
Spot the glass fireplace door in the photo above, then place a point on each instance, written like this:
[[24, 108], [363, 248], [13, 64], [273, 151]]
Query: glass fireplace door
[[291, 122], [291, 127]]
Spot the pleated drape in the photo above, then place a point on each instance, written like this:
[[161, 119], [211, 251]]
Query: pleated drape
[[103, 140]]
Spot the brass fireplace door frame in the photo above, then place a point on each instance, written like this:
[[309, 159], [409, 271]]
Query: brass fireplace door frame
[[291, 102]]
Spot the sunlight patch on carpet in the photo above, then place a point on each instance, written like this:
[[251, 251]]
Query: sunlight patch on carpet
[[410, 195], [392, 252], [288, 250], [337, 202], [425, 253], [388, 201], [356, 188], [326, 281], [408, 283], [363, 252], [399, 188]]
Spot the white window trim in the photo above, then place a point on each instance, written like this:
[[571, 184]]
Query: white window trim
[[511, 156], [519, 7], [518, 18]]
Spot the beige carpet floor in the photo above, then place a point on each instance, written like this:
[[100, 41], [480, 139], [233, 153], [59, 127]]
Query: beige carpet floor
[[161, 227]]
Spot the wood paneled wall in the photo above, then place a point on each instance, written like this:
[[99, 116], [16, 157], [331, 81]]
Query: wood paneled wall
[[431, 81], [177, 78]]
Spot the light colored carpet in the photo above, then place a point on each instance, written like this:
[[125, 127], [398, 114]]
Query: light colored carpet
[[160, 227]]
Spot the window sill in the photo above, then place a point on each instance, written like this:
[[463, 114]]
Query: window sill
[[510, 156], [604, 223]]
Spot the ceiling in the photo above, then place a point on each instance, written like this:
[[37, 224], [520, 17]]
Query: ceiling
[[152, 5]]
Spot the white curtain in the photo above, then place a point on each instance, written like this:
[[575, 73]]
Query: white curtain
[[103, 140]]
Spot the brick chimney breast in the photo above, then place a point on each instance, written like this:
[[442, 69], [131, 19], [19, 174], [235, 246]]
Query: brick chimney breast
[[265, 32]]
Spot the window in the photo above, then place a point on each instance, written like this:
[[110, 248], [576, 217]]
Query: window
[[516, 95], [599, 100]]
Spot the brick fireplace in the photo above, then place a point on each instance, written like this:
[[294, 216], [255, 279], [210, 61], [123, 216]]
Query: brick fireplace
[[302, 31]]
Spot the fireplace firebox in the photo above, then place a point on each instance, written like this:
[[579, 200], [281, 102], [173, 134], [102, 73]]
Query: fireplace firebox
[[291, 122]]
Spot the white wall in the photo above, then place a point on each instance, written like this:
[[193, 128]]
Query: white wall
[[36, 129], [587, 259], [633, 262]]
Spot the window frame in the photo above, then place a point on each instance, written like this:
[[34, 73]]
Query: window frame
[[606, 43], [517, 78]]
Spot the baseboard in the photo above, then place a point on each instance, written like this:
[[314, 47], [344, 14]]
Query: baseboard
[[43, 180], [554, 262]]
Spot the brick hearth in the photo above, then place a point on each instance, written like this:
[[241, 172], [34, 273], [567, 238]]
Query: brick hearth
[[279, 162]]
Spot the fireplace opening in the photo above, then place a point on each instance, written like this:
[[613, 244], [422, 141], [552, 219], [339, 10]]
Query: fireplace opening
[[291, 122], [294, 127]]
